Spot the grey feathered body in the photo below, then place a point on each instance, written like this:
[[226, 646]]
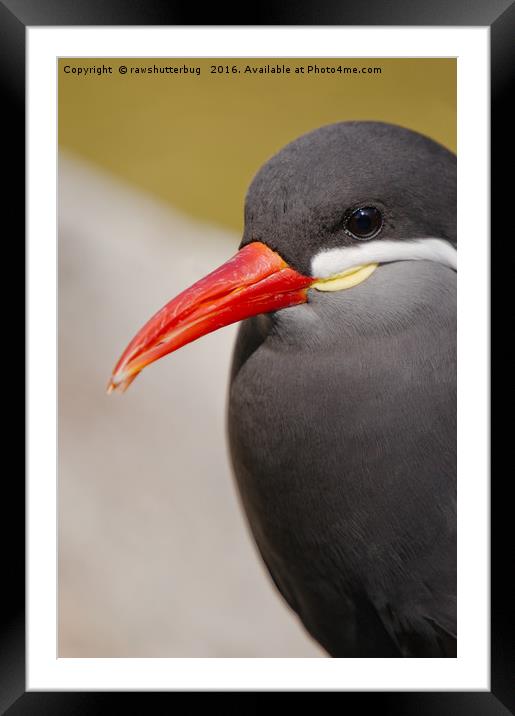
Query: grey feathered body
[[342, 427]]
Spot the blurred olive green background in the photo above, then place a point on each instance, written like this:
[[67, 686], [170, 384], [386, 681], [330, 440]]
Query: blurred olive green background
[[155, 556], [196, 141]]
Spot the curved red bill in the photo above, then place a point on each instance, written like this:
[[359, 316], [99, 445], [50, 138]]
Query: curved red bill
[[255, 280]]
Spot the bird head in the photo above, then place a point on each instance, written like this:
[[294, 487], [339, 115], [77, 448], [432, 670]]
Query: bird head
[[322, 215]]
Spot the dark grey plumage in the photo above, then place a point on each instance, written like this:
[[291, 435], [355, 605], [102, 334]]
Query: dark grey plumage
[[342, 411], [297, 201]]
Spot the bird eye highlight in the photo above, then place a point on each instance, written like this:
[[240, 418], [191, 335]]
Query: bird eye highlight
[[364, 223]]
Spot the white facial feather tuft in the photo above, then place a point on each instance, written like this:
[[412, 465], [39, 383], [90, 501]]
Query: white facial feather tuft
[[331, 262]]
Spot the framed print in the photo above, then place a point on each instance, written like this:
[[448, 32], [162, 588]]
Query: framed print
[[149, 568]]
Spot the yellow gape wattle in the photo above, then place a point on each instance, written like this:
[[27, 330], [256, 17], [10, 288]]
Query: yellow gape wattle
[[347, 279]]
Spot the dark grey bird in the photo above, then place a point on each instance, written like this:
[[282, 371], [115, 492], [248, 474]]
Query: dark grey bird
[[342, 401]]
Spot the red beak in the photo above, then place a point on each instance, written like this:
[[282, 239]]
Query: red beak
[[255, 280]]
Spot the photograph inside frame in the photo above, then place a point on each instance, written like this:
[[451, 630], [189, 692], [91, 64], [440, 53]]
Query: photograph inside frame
[[272, 245]]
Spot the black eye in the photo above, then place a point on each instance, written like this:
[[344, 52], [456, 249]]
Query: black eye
[[364, 223]]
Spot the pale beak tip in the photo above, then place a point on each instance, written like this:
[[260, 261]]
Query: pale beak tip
[[120, 382], [116, 384]]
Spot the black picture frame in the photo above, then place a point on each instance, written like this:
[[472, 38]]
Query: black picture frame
[[15, 17]]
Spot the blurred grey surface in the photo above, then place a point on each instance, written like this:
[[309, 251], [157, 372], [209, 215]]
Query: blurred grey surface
[[155, 558]]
